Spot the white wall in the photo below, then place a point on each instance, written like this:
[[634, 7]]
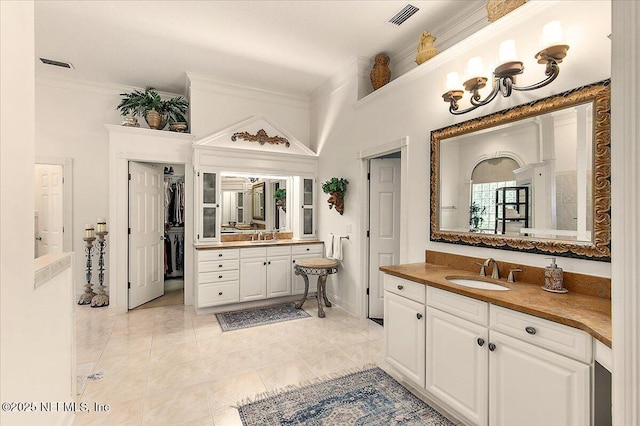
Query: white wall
[[36, 328], [412, 106]]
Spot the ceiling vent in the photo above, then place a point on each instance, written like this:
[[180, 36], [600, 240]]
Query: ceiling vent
[[56, 63], [404, 14]]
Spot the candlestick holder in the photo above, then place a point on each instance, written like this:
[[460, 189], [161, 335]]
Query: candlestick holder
[[101, 298], [88, 294]]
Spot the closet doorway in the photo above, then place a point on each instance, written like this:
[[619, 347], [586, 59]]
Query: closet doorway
[[156, 234]]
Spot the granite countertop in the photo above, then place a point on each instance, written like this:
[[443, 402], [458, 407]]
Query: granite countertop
[[589, 313], [229, 244]]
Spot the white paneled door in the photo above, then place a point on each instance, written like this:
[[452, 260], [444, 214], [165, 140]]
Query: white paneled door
[[384, 242], [49, 207], [146, 239]]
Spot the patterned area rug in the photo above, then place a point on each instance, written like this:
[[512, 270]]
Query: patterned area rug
[[369, 397], [259, 316]]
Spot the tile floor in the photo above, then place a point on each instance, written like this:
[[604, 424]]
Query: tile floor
[[168, 365]]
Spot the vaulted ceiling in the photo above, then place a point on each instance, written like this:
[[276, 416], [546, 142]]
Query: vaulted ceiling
[[288, 46]]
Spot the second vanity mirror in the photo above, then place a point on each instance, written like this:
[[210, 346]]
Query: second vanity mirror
[[532, 178], [248, 204]]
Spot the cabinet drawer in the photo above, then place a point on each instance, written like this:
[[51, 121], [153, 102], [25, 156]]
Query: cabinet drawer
[[307, 249], [218, 276], [464, 307], [409, 289], [218, 294], [253, 252], [217, 265], [218, 254], [547, 334], [278, 250]]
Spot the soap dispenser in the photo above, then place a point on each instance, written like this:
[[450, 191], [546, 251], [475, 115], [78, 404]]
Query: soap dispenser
[[553, 279]]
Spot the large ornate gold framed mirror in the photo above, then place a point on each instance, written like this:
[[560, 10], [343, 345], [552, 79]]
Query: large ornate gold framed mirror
[[257, 201], [533, 178]]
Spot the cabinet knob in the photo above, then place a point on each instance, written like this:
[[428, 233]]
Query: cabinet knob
[[480, 341], [219, 276], [419, 315], [530, 330], [264, 263], [492, 347], [400, 287], [219, 266], [307, 249], [220, 294], [294, 261], [219, 254]]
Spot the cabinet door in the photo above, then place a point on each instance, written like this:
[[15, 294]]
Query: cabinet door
[[253, 279], [278, 276], [404, 332], [208, 209], [307, 219], [531, 386], [458, 364]]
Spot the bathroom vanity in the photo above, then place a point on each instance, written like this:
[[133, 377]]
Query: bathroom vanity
[[495, 357], [245, 271]]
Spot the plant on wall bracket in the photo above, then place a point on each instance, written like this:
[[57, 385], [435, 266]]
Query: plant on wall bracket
[[336, 187]]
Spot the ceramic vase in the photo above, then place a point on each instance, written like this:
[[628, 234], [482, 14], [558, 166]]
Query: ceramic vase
[[381, 73]]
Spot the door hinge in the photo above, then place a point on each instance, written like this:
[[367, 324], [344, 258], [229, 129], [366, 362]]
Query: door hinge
[[63, 229], [198, 236], [129, 176], [129, 231], [367, 234], [129, 285], [198, 174], [368, 176], [367, 291], [63, 180]]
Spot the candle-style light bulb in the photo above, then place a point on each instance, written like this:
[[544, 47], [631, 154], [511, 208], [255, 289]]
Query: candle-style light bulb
[[475, 68], [88, 230], [552, 35], [452, 82], [507, 52]]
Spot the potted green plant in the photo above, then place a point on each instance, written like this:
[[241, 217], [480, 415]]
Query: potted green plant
[[156, 111], [475, 216], [280, 195], [336, 187]]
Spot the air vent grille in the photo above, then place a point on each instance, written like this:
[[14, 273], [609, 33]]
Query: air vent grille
[[404, 14], [56, 63]]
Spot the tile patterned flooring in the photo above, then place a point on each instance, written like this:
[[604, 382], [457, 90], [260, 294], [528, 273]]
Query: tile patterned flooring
[[168, 365]]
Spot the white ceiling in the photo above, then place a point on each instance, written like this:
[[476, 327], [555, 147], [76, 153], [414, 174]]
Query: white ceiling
[[288, 46]]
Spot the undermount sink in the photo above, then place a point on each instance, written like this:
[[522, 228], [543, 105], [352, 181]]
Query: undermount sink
[[479, 284]]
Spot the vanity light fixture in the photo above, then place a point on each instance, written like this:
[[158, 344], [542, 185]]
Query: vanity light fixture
[[504, 75]]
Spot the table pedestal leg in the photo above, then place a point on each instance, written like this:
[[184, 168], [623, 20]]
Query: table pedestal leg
[[306, 290], [320, 296], [324, 291]]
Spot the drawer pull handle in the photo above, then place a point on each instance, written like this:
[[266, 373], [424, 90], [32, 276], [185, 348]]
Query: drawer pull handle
[[492, 347], [219, 276], [220, 255], [530, 330], [419, 315], [480, 341], [400, 287]]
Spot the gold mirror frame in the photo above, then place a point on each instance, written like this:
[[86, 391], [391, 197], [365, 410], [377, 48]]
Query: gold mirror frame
[[257, 191], [600, 247]]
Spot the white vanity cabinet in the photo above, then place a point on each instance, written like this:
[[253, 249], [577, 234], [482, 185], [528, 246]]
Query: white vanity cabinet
[[404, 326], [496, 366], [456, 353], [217, 275], [265, 272], [298, 252]]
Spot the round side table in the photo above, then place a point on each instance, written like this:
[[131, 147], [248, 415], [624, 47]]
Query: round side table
[[316, 266]]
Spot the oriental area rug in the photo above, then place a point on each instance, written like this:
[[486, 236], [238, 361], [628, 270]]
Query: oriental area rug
[[235, 320], [370, 397]]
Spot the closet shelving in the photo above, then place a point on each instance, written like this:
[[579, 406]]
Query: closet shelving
[[174, 225]]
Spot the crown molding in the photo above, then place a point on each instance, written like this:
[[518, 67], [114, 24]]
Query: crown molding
[[354, 68], [101, 88], [211, 84]]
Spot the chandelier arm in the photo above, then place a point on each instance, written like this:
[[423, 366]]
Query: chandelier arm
[[475, 99], [475, 104], [552, 72]]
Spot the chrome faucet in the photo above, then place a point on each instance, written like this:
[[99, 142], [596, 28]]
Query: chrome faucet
[[260, 236], [495, 273]]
